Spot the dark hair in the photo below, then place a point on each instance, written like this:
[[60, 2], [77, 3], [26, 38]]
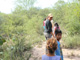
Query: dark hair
[[56, 24], [44, 19], [58, 31]]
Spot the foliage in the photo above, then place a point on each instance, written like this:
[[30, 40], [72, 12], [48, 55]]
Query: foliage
[[14, 50], [71, 41], [24, 27]]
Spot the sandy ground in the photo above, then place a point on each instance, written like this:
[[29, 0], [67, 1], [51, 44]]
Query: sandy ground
[[69, 54]]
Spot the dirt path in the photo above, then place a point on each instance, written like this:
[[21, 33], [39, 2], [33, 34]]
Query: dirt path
[[69, 54]]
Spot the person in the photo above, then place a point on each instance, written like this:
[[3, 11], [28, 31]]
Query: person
[[51, 21], [56, 26], [51, 47], [58, 35], [48, 28], [44, 23]]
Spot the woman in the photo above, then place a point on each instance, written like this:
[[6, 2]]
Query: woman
[[48, 28], [51, 47]]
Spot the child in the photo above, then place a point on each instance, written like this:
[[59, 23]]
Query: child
[[51, 47], [58, 35], [44, 23], [56, 26]]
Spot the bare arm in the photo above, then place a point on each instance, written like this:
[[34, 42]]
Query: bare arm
[[54, 31], [60, 58], [52, 34], [52, 24]]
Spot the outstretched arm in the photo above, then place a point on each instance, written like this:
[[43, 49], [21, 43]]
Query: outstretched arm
[[52, 34]]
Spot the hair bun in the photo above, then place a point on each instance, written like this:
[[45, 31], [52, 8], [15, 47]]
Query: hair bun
[[51, 45]]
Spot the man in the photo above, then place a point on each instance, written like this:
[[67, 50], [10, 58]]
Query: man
[[48, 27]]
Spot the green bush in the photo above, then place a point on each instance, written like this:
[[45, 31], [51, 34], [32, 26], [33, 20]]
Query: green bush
[[2, 40], [71, 41], [14, 50]]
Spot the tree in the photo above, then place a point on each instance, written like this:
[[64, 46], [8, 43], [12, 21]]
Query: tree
[[25, 4]]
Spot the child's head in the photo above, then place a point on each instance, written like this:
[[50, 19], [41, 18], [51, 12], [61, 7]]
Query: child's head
[[51, 45], [58, 34], [44, 19], [56, 24]]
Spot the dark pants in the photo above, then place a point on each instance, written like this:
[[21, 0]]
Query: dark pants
[[47, 35]]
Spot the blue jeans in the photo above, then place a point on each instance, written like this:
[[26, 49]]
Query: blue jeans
[[44, 27]]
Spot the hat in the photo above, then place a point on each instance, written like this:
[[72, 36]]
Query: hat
[[50, 15]]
